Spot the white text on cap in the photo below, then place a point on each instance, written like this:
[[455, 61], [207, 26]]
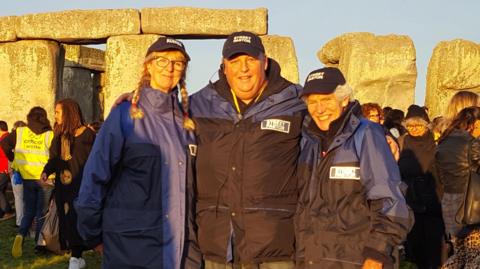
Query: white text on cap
[[318, 75], [242, 38]]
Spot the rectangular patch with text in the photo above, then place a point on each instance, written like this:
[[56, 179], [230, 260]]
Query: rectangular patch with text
[[276, 125], [345, 172], [193, 149]]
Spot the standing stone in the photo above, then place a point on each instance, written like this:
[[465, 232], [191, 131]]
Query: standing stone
[[454, 66], [124, 61], [79, 81], [7, 28], [380, 69], [28, 75], [85, 57], [203, 22], [282, 50], [80, 26], [79, 84]]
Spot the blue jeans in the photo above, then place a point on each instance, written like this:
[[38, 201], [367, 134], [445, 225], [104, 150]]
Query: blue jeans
[[35, 202]]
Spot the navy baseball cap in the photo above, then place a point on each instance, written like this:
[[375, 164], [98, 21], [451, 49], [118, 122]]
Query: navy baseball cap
[[323, 81], [243, 43], [167, 43]]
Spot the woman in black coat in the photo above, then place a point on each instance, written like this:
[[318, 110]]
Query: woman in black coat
[[454, 162], [416, 162], [70, 148]]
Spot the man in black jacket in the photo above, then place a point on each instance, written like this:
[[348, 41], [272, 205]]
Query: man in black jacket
[[248, 126]]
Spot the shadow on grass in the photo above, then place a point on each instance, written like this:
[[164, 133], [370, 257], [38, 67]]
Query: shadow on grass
[[31, 261]]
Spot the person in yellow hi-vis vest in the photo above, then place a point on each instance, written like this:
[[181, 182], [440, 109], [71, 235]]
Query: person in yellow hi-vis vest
[[28, 147]]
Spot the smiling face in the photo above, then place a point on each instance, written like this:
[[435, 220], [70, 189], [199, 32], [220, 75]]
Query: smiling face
[[166, 69], [246, 75], [325, 108]]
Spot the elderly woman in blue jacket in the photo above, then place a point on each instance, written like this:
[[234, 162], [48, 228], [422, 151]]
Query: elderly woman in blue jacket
[[135, 201]]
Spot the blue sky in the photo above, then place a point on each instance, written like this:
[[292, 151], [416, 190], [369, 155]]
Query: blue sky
[[311, 24]]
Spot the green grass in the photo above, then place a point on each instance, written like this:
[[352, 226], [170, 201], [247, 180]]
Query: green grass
[[31, 261]]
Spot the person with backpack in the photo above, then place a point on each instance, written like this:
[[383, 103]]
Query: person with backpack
[[351, 212]]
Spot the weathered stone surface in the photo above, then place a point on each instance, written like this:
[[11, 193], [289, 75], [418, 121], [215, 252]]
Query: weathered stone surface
[[85, 57], [79, 84], [454, 66], [204, 22], [380, 69], [28, 72], [79, 25], [282, 50], [7, 28], [124, 59]]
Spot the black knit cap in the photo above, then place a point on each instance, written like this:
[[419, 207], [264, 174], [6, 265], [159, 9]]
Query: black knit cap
[[243, 43], [417, 111], [323, 81], [167, 43]]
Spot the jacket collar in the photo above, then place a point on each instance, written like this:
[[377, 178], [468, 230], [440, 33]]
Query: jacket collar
[[291, 92], [159, 101]]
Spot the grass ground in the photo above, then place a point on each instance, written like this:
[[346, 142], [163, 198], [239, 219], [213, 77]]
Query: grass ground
[[31, 261], [51, 261]]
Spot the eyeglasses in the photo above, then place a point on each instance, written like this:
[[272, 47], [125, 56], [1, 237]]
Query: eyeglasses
[[415, 126], [162, 62]]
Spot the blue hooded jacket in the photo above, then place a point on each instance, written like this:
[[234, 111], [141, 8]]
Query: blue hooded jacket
[[133, 195], [351, 207]]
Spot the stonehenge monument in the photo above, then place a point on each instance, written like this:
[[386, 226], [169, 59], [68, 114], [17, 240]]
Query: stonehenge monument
[[43, 57]]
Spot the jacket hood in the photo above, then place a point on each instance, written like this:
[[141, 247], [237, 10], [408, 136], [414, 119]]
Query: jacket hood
[[39, 127]]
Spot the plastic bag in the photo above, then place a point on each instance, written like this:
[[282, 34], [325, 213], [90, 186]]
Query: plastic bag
[[50, 230]]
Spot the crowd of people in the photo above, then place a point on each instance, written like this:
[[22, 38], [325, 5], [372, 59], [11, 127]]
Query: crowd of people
[[252, 171]]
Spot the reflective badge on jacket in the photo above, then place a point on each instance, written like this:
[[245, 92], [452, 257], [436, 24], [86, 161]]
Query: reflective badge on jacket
[[193, 149], [345, 172], [276, 125]]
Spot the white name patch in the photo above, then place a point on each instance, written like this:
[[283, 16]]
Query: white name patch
[[345, 172], [193, 149], [276, 125]]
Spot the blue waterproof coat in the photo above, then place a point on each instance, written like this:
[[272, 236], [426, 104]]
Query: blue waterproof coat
[[134, 196], [351, 207]]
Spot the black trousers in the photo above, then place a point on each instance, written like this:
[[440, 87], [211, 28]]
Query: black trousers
[[424, 242], [4, 204]]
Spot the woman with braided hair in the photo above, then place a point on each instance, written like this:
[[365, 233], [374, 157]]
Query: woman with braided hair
[[135, 201]]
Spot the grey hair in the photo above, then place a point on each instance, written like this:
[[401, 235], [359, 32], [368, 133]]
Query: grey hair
[[343, 91], [416, 120]]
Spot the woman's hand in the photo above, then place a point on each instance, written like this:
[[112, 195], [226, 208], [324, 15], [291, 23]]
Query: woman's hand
[[99, 249], [44, 180], [372, 264]]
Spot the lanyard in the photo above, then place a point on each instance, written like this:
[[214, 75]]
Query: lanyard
[[235, 100]]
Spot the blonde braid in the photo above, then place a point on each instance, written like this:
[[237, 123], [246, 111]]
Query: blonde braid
[[188, 123], [135, 111]]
